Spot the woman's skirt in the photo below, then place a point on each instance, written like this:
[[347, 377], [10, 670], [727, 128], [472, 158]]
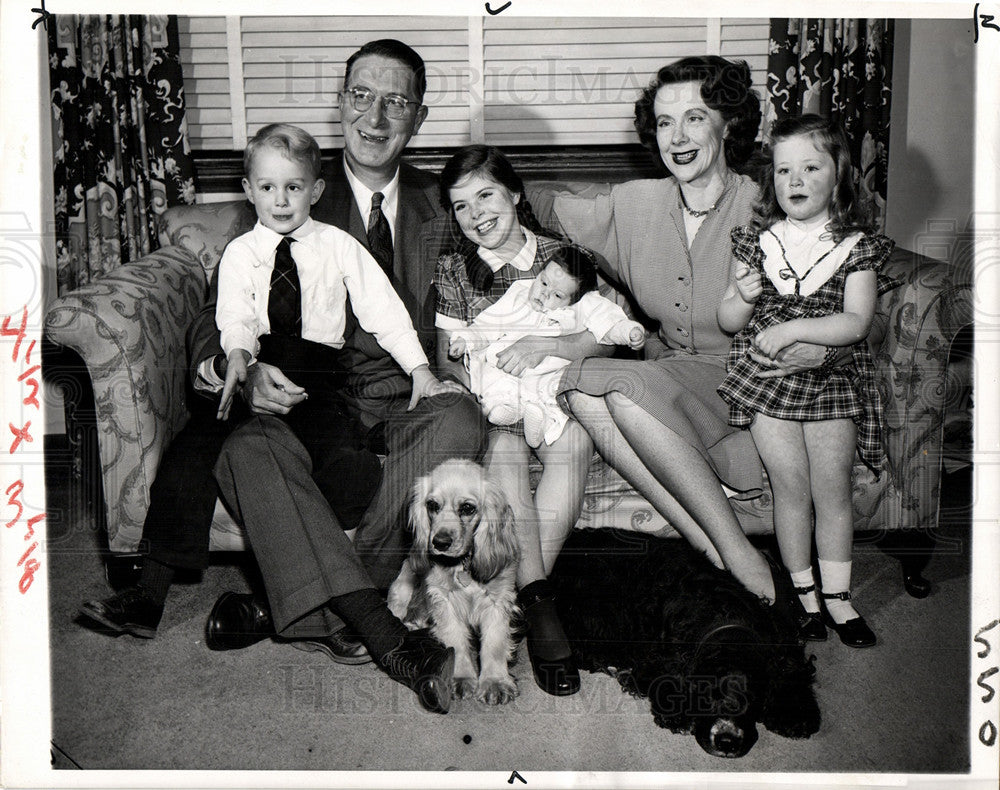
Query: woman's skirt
[[680, 392]]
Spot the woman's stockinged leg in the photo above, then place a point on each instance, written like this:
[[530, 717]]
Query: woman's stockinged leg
[[507, 461], [676, 480], [559, 495], [614, 447]]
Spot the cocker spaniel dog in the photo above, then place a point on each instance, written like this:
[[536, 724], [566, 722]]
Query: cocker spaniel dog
[[458, 579], [711, 657]]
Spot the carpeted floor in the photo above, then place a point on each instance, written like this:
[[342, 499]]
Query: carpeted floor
[[169, 703]]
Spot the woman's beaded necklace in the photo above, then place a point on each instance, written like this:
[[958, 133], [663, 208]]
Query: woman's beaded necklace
[[693, 212]]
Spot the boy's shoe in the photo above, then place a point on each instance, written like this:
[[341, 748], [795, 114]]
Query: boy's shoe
[[130, 611], [424, 665]]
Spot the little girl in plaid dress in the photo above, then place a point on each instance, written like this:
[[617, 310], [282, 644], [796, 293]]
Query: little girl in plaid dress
[[807, 271]]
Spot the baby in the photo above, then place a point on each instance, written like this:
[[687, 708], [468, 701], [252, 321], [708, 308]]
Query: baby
[[561, 300]]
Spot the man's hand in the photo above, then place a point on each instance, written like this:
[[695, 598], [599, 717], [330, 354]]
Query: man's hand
[[268, 391], [525, 354], [236, 374], [427, 385], [792, 359]]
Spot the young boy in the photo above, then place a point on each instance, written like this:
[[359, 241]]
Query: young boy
[[283, 295]]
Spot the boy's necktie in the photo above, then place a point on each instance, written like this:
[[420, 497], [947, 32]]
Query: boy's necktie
[[380, 236], [284, 304]]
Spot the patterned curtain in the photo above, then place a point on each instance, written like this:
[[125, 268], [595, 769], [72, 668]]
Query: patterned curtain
[[840, 69], [119, 137]]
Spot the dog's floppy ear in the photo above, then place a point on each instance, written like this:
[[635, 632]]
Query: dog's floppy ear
[[420, 523], [495, 542]]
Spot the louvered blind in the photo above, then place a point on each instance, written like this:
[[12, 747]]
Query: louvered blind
[[504, 80], [205, 65]]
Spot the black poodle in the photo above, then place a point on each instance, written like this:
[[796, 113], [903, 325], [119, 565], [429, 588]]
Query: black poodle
[[711, 657]]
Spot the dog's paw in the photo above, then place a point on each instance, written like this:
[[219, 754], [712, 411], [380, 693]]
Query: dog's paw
[[463, 688], [496, 691]]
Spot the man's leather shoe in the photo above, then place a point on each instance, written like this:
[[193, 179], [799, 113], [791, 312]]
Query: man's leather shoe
[[339, 647], [424, 665], [130, 611], [237, 621]]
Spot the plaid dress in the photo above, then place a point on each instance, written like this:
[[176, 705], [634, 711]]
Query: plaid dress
[[826, 393], [460, 293]]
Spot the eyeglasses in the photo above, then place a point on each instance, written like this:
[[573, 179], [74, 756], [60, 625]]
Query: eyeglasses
[[361, 99]]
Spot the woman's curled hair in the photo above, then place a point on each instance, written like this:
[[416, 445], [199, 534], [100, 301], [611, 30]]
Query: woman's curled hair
[[726, 86]]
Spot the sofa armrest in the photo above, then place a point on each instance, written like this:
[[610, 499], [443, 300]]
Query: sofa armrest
[[923, 316], [128, 327]]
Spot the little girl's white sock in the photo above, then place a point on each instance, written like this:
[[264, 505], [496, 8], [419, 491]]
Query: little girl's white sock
[[503, 414], [810, 601], [836, 577]]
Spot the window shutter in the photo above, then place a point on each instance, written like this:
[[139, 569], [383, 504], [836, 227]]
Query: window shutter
[[505, 80]]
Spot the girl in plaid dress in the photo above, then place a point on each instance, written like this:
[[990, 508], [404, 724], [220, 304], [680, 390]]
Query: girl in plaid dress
[[807, 271], [499, 241]]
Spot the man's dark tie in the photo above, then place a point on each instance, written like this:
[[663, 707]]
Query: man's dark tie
[[284, 304], [380, 236]]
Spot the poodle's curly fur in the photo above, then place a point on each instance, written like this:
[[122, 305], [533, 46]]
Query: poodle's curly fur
[[712, 658]]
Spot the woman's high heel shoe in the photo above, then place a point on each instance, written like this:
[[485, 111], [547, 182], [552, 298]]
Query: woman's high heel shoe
[[853, 633], [557, 676]]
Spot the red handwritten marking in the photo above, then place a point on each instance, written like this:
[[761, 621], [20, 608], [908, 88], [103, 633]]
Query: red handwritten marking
[[15, 501], [31, 525], [19, 333], [24, 556], [32, 399], [30, 568], [15, 489], [19, 435]]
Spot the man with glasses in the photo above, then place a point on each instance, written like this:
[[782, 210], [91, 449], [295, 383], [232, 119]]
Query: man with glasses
[[316, 578]]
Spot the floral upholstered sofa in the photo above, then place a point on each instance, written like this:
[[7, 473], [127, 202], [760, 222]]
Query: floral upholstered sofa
[[129, 329]]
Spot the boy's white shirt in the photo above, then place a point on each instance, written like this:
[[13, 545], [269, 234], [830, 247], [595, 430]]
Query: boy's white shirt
[[332, 267], [206, 379], [802, 250]]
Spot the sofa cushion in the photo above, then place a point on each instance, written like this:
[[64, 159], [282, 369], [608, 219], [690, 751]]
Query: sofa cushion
[[205, 229]]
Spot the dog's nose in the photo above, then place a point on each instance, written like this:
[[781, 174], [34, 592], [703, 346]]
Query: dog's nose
[[441, 542]]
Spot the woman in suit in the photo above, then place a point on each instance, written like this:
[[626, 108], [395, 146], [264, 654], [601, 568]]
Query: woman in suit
[[659, 421]]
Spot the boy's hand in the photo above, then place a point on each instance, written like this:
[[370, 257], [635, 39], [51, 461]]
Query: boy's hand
[[636, 338], [749, 284], [772, 340], [236, 374], [457, 346], [427, 385]]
